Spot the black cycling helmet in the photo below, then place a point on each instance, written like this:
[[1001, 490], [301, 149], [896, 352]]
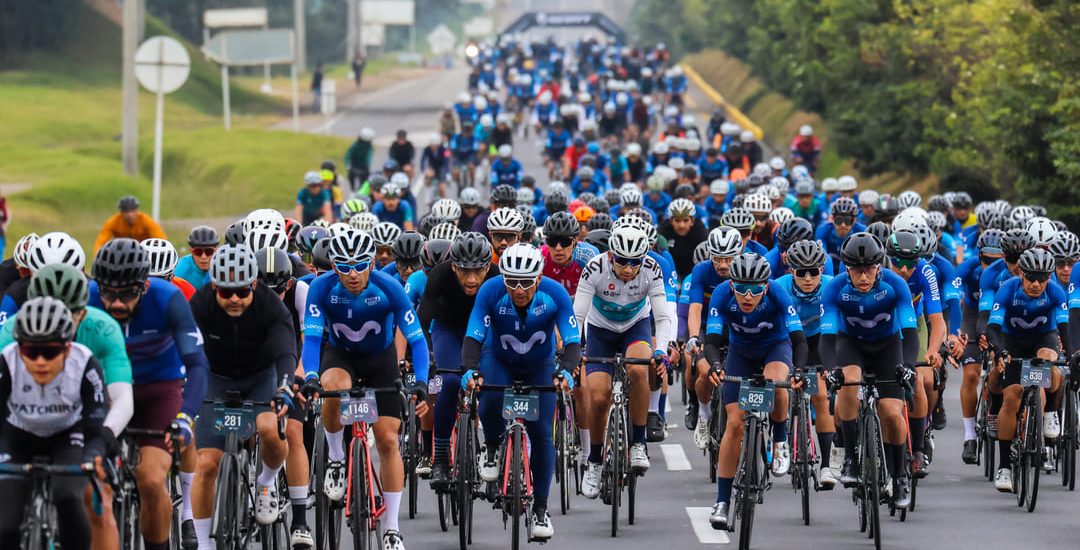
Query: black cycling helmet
[[881, 230], [599, 204], [611, 196], [990, 241], [887, 207], [471, 250], [128, 203], [904, 244], [586, 197], [795, 229], [750, 268], [806, 254], [600, 220], [376, 182], [962, 200], [408, 246], [844, 206], [320, 255], [435, 251], [203, 235], [556, 202], [939, 203], [529, 230], [121, 263], [598, 238], [328, 165], [1064, 246], [234, 234], [274, 267], [1036, 260], [563, 224], [862, 249], [1015, 241], [308, 236], [427, 223], [504, 195], [1039, 210], [683, 191]]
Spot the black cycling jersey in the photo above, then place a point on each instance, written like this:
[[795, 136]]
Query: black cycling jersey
[[445, 301], [299, 269], [682, 247], [9, 273], [18, 291], [260, 338]]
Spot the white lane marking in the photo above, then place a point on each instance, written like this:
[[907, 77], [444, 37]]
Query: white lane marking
[[699, 521], [675, 457], [325, 127]]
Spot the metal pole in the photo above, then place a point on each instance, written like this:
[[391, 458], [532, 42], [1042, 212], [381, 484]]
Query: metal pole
[[295, 99], [159, 123], [298, 22], [226, 103], [129, 150], [350, 31]]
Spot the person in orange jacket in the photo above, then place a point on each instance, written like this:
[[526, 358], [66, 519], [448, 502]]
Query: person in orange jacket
[[130, 223]]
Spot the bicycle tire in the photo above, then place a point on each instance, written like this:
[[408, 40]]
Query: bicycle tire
[[327, 513], [226, 507], [517, 479], [176, 531], [412, 451], [616, 462], [33, 532], [465, 468], [871, 478], [1070, 440], [563, 464], [751, 456], [126, 512], [803, 464], [1033, 450], [359, 512]]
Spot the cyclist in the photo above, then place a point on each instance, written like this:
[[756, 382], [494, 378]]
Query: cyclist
[[356, 309], [51, 248], [611, 297], [405, 250], [502, 196], [684, 231], [15, 268], [469, 198], [464, 148], [506, 170], [504, 227], [744, 221], [449, 296], [169, 370], [251, 347], [163, 260], [1030, 315], [842, 215], [62, 421], [194, 268], [393, 209], [868, 322], [760, 322], [510, 339], [129, 222], [359, 156], [313, 202], [787, 234]]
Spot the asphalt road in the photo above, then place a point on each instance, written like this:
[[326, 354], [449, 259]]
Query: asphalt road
[[956, 506]]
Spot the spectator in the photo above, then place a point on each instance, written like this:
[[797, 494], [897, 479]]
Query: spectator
[[5, 218], [316, 88], [358, 67], [751, 148], [130, 222]]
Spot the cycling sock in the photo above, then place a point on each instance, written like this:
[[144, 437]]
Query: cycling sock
[[185, 489], [596, 453], [838, 439], [267, 476], [334, 449], [156, 545], [969, 428], [298, 498], [539, 504], [825, 440], [779, 432], [917, 432], [1004, 453], [202, 532], [425, 442], [704, 410], [586, 440], [1050, 404], [850, 429], [894, 459], [637, 434], [723, 489], [662, 406], [691, 396], [995, 403], [442, 450], [393, 506], [654, 401]]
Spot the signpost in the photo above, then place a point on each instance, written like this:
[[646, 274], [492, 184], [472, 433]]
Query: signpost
[[441, 40], [162, 65], [253, 47]]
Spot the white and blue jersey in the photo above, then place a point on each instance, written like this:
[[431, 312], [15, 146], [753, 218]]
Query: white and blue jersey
[[873, 316], [809, 306], [362, 324], [771, 322], [526, 336], [414, 288], [1020, 315]]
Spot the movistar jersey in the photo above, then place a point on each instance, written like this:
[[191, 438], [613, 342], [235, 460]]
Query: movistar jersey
[[826, 233], [778, 266], [808, 305], [414, 287], [968, 273], [526, 335], [772, 321], [1022, 316], [949, 284], [871, 316], [989, 281]]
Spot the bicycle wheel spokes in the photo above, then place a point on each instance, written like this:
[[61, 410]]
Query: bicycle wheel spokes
[[616, 465], [871, 477], [516, 489], [464, 478], [752, 446], [359, 509], [1033, 450]]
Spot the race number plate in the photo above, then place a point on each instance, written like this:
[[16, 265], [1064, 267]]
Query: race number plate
[[362, 409], [434, 385], [1035, 375], [232, 420], [811, 381], [409, 379], [517, 406], [756, 398]]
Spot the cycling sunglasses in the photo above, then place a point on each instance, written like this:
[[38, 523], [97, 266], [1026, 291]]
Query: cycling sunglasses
[[843, 220], [761, 217], [519, 283], [203, 251], [744, 289], [503, 236], [1037, 277], [126, 294], [628, 262], [807, 272], [904, 263], [228, 293], [41, 351], [345, 269], [560, 242]]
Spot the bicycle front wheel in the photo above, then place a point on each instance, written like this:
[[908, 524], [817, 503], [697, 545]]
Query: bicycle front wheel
[[752, 451], [359, 495], [616, 464], [517, 479], [803, 460], [1069, 441], [226, 504], [1033, 449], [412, 456], [327, 513], [126, 512], [872, 475], [465, 477]]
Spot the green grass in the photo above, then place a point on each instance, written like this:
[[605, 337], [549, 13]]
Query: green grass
[[61, 125]]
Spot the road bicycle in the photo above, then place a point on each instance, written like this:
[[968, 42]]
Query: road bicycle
[[1027, 445], [805, 457], [126, 503], [40, 525]]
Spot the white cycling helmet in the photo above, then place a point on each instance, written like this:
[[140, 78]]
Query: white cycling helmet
[[830, 185], [781, 215], [22, 250], [777, 163], [525, 196], [447, 210], [781, 184], [385, 234], [469, 197], [725, 242], [521, 260], [762, 170], [264, 237], [338, 227], [163, 257], [1022, 214], [364, 221], [868, 197], [558, 187], [629, 241], [264, 217], [719, 187], [444, 230], [655, 182], [747, 136], [806, 130], [770, 191], [56, 248], [681, 208], [630, 197], [909, 198], [908, 220], [233, 266], [660, 148], [505, 150], [1042, 230], [633, 149], [352, 246], [758, 203], [367, 134], [401, 179], [846, 183], [505, 219], [676, 163]]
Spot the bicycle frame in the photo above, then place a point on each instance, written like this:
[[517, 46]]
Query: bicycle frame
[[39, 527]]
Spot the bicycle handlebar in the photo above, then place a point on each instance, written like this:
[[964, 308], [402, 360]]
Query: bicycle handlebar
[[758, 379], [617, 360], [354, 392], [86, 468]]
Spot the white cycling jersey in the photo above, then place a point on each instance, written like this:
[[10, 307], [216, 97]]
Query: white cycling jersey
[[57, 406], [605, 301]]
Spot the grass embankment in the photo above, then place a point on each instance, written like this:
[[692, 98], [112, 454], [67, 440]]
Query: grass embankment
[[61, 139], [780, 119]]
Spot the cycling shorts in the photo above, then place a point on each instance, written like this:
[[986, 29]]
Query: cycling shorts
[[258, 388], [370, 371], [601, 342], [156, 406], [881, 358], [745, 361], [1025, 348], [972, 354]]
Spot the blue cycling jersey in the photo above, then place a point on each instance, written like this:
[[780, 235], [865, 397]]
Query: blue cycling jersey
[[360, 324], [667, 269], [391, 270], [779, 268], [949, 284], [989, 281], [414, 287], [188, 271], [682, 308], [505, 172], [755, 247], [872, 316], [163, 341], [808, 305], [525, 336], [403, 213], [1023, 316], [826, 233], [968, 273], [772, 321], [1074, 289], [925, 294]]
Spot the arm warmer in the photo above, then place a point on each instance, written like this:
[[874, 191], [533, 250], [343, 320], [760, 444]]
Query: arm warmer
[[95, 408], [470, 353], [910, 345], [713, 343], [799, 349], [121, 407], [571, 356]]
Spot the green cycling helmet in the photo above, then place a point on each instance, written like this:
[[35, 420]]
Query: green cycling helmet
[[63, 282]]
